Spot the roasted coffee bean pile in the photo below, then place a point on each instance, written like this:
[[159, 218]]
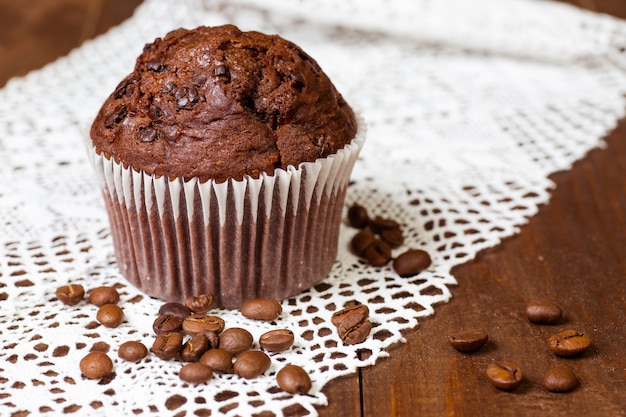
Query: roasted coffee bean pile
[[96, 365], [189, 333], [376, 240], [186, 332], [507, 375]]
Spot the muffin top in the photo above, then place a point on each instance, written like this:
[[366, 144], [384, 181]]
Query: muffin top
[[219, 103]]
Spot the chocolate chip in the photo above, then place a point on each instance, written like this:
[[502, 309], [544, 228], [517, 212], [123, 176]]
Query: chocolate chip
[[155, 112], [169, 87], [170, 132], [122, 87], [193, 94], [116, 116], [221, 71], [186, 97], [155, 64], [148, 134]]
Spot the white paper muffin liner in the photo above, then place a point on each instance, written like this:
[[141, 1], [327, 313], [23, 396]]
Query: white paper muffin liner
[[272, 236]]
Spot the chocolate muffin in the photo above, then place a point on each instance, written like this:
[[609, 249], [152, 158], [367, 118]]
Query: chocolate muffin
[[224, 158]]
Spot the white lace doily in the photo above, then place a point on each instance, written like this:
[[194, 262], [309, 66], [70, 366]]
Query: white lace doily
[[470, 106]]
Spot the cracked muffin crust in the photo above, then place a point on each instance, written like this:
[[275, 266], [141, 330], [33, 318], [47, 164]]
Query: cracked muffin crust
[[219, 103]]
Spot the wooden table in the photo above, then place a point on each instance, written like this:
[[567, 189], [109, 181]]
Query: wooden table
[[573, 251]]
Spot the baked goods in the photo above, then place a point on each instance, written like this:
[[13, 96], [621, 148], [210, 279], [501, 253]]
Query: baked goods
[[224, 159]]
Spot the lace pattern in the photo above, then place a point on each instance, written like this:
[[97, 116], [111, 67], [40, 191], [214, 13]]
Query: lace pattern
[[470, 105]]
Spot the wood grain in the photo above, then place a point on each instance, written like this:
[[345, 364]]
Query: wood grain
[[36, 32], [573, 251]]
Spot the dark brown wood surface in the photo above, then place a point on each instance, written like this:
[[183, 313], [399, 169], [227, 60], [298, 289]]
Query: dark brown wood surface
[[573, 251]]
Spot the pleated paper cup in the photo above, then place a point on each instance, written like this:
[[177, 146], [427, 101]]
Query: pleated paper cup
[[272, 236]]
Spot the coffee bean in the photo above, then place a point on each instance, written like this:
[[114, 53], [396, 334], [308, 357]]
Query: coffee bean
[[352, 333], [100, 296], [196, 323], [468, 341], [195, 373], [71, 294], [132, 351], [357, 216], [560, 379], [277, 340], [411, 262], [352, 323], [360, 310], [235, 340], [167, 345], [505, 375], [194, 348], [218, 359], [569, 343], [378, 253], [393, 237], [212, 337], [261, 309], [543, 312], [361, 241], [293, 379], [251, 364], [167, 323], [379, 224], [96, 365], [200, 303], [174, 309], [110, 315]]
